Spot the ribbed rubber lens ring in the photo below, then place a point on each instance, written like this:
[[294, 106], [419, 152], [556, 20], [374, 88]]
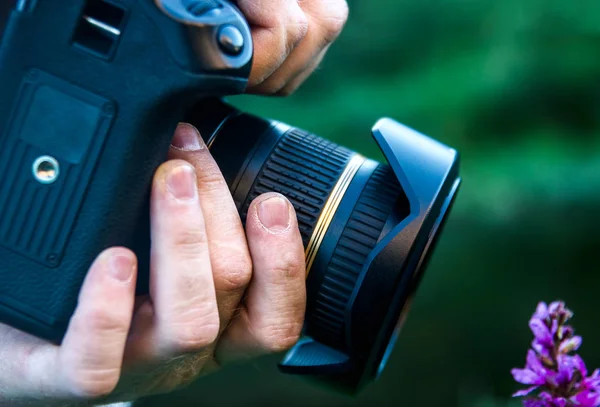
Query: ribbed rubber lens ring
[[359, 237], [304, 168]]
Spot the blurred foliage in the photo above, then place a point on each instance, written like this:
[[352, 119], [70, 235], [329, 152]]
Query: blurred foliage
[[514, 86]]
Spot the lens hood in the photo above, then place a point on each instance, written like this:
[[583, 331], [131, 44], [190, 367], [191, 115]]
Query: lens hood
[[428, 173]]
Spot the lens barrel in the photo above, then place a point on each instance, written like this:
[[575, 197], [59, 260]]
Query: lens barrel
[[368, 228]]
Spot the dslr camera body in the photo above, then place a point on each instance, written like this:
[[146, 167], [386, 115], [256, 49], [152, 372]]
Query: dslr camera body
[[91, 93]]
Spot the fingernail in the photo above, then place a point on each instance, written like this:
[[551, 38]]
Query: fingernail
[[181, 183], [274, 214], [187, 138], [121, 267]]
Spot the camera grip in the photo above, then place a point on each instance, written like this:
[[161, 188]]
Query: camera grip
[[82, 135]]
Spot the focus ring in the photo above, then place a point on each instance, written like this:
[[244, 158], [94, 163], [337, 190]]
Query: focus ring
[[304, 168], [358, 238]]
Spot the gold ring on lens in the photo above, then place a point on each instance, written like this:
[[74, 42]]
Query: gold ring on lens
[[211, 140], [330, 208]]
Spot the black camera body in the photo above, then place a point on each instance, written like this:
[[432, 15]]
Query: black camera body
[[91, 93]]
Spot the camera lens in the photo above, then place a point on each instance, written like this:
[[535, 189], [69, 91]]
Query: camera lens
[[368, 228]]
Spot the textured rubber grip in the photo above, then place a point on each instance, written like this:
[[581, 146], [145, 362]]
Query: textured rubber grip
[[304, 168], [358, 238]]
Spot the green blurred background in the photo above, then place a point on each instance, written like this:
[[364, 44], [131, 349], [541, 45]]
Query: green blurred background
[[514, 85]]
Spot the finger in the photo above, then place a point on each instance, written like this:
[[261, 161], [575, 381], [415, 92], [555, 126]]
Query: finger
[[90, 358], [183, 309], [229, 255], [278, 26], [274, 308], [326, 20]]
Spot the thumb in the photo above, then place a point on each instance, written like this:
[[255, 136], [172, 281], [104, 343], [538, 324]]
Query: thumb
[[88, 363], [91, 355]]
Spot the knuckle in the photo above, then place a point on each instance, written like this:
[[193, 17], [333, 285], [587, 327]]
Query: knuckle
[[211, 179], [297, 29], [102, 320], [291, 265], [335, 21], [194, 336], [234, 270], [93, 384], [281, 337], [194, 327], [190, 240]]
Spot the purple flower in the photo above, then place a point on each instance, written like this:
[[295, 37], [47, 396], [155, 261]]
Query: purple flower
[[560, 376], [570, 345], [586, 398], [535, 403], [533, 373], [593, 381], [541, 312], [559, 312], [541, 331]]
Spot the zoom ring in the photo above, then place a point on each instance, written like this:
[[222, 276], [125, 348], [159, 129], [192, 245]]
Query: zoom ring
[[358, 238], [304, 168]]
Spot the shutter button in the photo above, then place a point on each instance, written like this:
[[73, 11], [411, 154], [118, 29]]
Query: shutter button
[[231, 40]]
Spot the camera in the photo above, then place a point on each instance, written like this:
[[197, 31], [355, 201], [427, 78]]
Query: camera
[[92, 91]]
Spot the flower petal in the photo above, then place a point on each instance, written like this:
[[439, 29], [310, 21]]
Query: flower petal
[[560, 402], [540, 348], [540, 331], [526, 376], [541, 311], [534, 364], [592, 382], [586, 398], [556, 307], [579, 364], [553, 401], [558, 311], [524, 392], [570, 345], [566, 368], [535, 403]]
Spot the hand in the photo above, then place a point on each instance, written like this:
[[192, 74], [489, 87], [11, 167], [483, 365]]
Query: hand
[[217, 296], [290, 38]]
